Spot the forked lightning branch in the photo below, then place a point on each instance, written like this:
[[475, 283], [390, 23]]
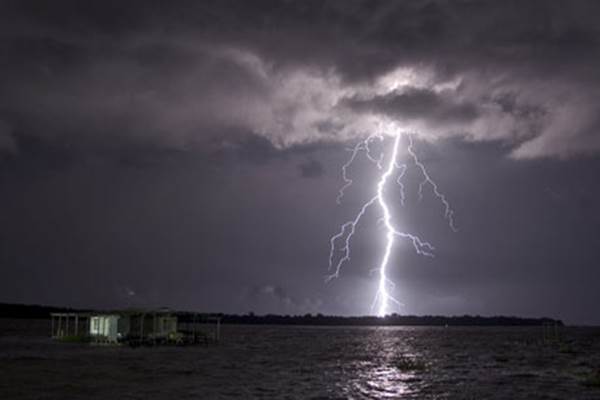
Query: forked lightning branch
[[392, 171]]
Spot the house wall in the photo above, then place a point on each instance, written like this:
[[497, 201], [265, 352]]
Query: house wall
[[167, 325], [104, 326], [161, 326], [124, 326]]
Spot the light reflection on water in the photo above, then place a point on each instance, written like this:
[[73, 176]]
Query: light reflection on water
[[391, 371], [385, 382]]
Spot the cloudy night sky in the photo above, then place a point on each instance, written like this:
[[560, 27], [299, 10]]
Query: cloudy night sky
[[189, 153]]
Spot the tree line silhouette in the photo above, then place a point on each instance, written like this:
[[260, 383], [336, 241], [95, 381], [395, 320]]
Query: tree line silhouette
[[39, 311]]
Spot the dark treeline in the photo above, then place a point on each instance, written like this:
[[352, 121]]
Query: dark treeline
[[31, 311], [390, 320], [37, 311]]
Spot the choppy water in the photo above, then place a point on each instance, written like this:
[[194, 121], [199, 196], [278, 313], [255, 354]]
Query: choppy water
[[277, 362]]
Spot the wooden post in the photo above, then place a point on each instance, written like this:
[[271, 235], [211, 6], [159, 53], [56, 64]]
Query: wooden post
[[194, 328], [154, 327], [76, 325], [67, 325], [52, 325], [141, 327], [59, 325]]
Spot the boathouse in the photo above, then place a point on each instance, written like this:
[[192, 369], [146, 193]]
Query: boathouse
[[135, 327]]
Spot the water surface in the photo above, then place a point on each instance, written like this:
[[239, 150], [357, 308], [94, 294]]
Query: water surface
[[285, 362]]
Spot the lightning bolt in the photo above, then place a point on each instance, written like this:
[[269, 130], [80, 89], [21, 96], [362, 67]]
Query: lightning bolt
[[348, 229]]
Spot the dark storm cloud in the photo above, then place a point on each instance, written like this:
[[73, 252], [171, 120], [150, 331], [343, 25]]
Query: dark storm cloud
[[276, 293], [146, 71], [7, 141], [419, 104], [311, 169]]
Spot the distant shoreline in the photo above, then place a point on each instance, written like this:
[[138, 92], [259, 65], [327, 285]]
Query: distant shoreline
[[27, 311]]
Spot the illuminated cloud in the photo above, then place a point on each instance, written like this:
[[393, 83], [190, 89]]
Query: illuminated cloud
[[303, 73]]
